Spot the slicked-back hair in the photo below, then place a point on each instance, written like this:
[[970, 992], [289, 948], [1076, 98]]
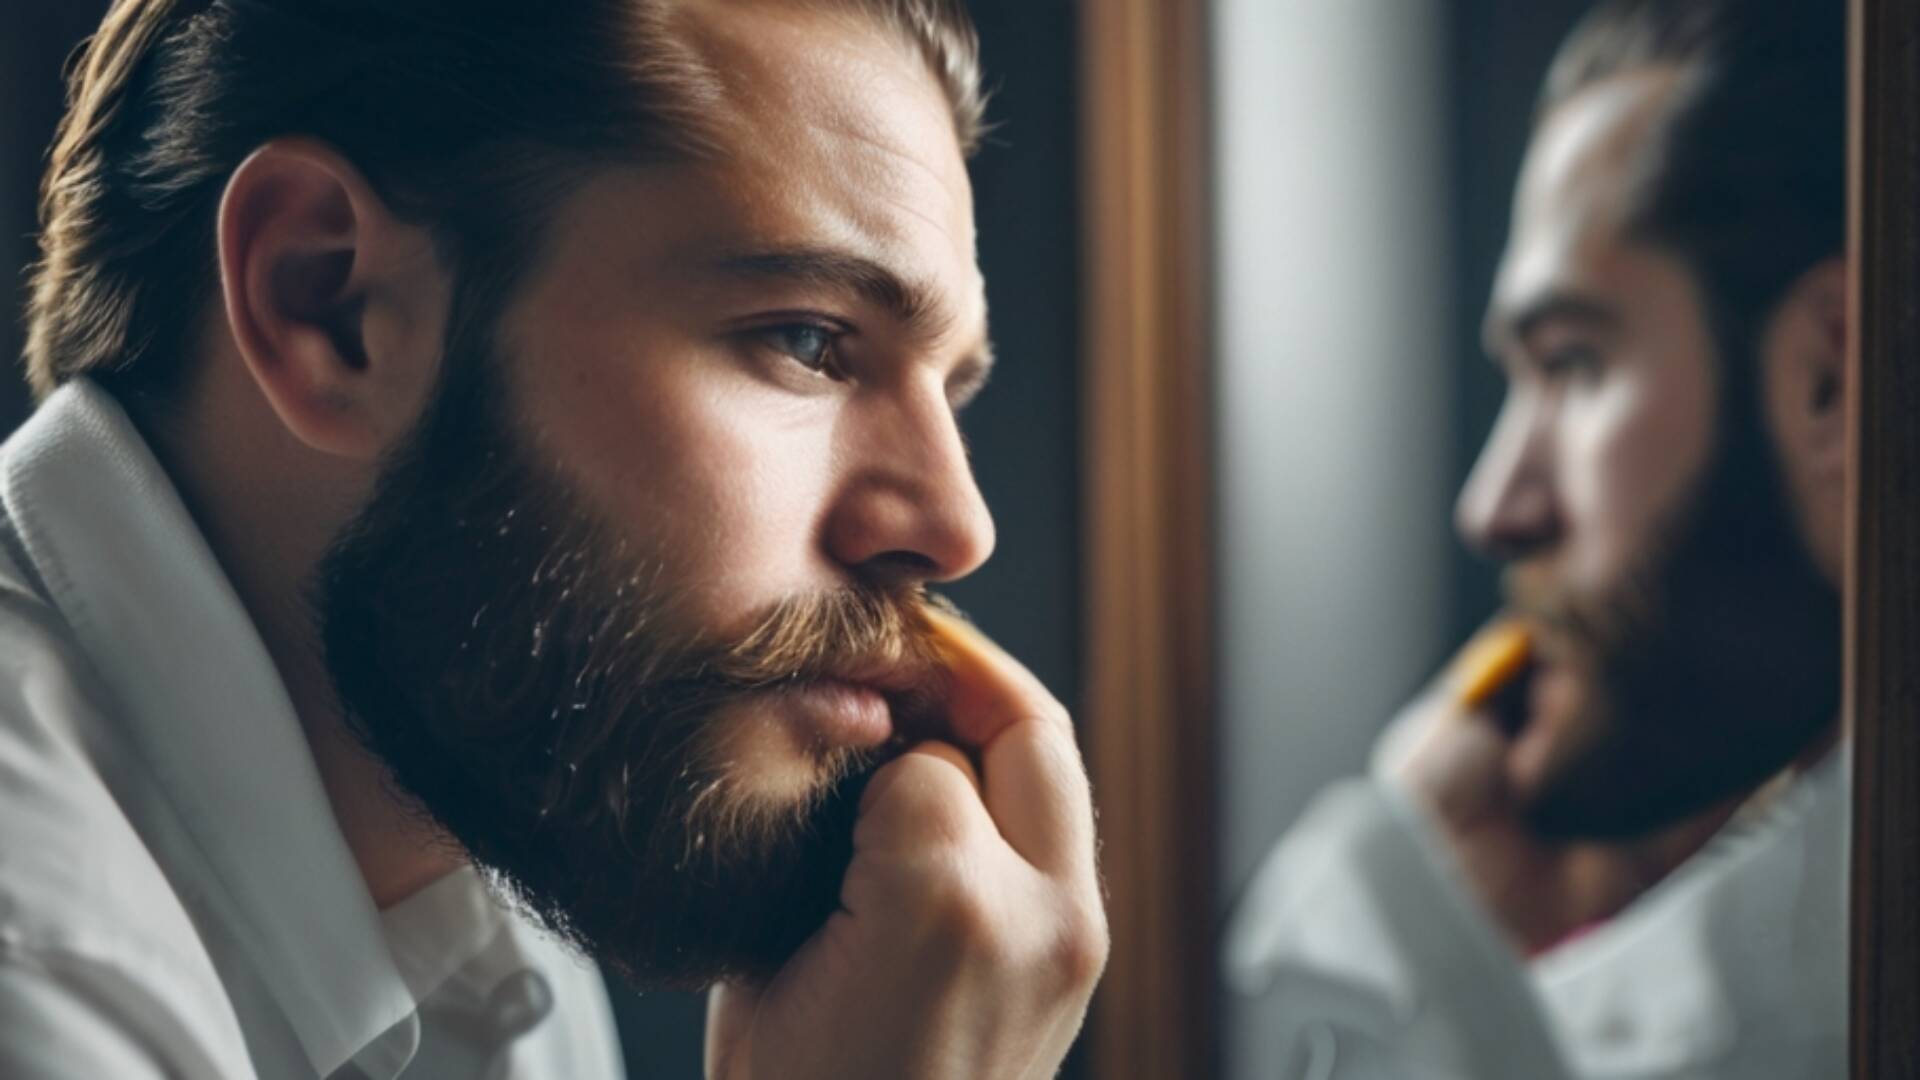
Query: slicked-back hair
[[1744, 179], [469, 116]]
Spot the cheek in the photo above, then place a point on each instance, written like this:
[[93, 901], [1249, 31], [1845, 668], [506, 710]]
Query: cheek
[[1632, 452], [719, 480]]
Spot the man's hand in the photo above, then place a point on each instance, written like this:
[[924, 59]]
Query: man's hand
[[971, 932], [1451, 758]]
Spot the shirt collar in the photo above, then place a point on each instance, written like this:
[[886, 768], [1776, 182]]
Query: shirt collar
[[437, 932], [203, 704], [1668, 986]]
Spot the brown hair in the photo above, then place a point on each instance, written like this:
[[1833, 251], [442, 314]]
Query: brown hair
[[1745, 177], [469, 115]]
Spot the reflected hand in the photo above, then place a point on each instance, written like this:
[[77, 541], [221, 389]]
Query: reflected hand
[[1448, 752], [971, 930]]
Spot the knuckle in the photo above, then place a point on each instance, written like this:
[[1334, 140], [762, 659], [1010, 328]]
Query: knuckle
[[944, 827], [930, 794], [907, 773], [960, 915], [1080, 947]]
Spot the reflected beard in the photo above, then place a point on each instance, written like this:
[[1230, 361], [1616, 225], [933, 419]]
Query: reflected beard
[[1709, 670], [509, 661]]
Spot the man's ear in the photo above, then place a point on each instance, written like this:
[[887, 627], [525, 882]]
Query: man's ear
[[337, 308], [1805, 357], [1804, 366]]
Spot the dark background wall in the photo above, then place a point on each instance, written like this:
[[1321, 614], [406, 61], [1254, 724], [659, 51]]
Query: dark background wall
[[1024, 430], [36, 38]]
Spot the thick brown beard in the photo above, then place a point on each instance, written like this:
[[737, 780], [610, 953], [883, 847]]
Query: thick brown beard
[[1710, 667], [516, 667]]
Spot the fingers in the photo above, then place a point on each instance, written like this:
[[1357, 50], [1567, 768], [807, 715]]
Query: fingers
[[1400, 744], [928, 796], [1035, 784], [989, 689], [1464, 692], [1037, 792]]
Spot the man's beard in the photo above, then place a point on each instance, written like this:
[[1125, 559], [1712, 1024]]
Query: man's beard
[[517, 667], [1711, 668]]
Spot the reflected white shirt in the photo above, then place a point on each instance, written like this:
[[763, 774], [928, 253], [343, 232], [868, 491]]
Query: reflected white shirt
[[175, 896], [1366, 956]]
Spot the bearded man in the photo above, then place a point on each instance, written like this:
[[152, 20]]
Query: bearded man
[[491, 462], [1630, 861]]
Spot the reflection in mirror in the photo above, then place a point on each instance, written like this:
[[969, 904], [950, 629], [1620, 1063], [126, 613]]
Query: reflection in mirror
[[1604, 832]]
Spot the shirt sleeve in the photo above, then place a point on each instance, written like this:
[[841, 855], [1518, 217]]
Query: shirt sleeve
[[1360, 957]]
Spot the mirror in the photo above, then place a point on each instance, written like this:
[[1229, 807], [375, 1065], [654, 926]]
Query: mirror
[[1302, 581], [1530, 698]]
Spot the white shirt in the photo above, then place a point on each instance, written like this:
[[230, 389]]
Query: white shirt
[[175, 896], [1364, 956]]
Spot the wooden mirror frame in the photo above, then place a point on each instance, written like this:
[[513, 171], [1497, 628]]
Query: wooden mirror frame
[[1150, 591], [1883, 578], [1147, 373]]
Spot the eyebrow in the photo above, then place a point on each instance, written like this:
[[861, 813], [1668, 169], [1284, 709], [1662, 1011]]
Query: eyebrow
[[911, 303], [1526, 320]]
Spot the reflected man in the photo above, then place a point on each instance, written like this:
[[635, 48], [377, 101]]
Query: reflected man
[[1630, 859]]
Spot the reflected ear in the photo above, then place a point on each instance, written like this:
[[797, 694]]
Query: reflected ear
[[1804, 368], [336, 307], [1805, 358]]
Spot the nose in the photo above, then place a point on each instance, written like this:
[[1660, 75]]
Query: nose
[[1507, 509], [911, 511]]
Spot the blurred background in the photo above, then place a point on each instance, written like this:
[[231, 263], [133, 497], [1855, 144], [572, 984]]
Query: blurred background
[[1363, 153]]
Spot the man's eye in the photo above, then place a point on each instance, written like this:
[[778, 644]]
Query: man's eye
[[808, 345], [1573, 361]]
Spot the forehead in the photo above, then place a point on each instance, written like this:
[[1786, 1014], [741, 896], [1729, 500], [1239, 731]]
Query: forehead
[[831, 124], [1574, 196]]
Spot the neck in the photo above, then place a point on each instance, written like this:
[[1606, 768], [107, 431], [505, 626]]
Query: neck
[[399, 851], [269, 525], [1607, 878]]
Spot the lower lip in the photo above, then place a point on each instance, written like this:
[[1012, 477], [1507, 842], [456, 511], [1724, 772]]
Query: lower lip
[[843, 715]]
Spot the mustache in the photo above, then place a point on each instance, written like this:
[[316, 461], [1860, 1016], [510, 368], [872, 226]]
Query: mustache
[[873, 636], [1604, 622], [879, 637], [863, 634]]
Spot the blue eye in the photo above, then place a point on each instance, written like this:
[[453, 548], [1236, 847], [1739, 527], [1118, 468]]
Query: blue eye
[[806, 344]]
